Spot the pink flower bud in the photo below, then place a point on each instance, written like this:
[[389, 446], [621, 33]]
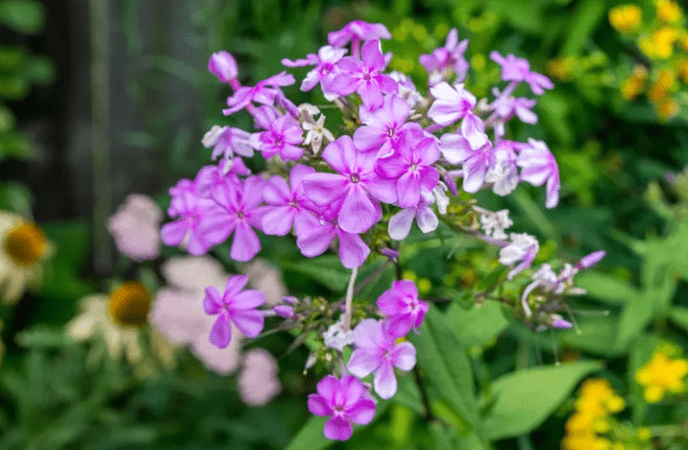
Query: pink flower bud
[[590, 260], [290, 300], [284, 311], [223, 65]]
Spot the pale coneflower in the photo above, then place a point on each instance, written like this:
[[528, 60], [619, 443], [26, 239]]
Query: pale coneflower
[[23, 248]]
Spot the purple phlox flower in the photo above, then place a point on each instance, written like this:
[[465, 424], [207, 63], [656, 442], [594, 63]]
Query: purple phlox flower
[[135, 228], [518, 69], [383, 126], [318, 234], [228, 171], [238, 212], [503, 174], [227, 141], [358, 31], [364, 76], [449, 56], [451, 103], [194, 225], [287, 205], [537, 166], [410, 167], [400, 223], [346, 400], [282, 137], [263, 117], [507, 107], [325, 63], [475, 160], [402, 308], [236, 306], [287, 105], [494, 223], [406, 89], [377, 353], [260, 93], [223, 66], [351, 187], [523, 248]]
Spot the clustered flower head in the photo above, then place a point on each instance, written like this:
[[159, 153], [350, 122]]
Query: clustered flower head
[[663, 39], [593, 425], [662, 375], [398, 158]]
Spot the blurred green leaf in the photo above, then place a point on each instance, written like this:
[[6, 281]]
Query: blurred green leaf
[[25, 16], [607, 288], [595, 334], [446, 366], [586, 17], [679, 314], [478, 325], [524, 399]]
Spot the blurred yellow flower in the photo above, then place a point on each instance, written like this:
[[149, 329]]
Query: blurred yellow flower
[[668, 11], [24, 247], [662, 375], [659, 44], [625, 18], [561, 68], [667, 108]]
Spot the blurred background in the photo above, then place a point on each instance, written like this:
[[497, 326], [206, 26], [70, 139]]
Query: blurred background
[[102, 99]]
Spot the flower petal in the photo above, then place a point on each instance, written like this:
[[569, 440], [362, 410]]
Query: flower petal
[[221, 333], [249, 321], [338, 429], [385, 381]]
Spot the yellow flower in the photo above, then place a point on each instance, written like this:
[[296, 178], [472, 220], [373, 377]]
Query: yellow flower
[[662, 375], [23, 249], [682, 69], [668, 11], [561, 68], [118, 319], [659, 44], [625, 18], [667, 108], [644, 433]]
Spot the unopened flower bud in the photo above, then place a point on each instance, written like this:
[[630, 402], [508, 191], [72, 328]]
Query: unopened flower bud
[[223, 65], [560, 323], [284, 311], [288, 299], [590, 260], [391, 254]]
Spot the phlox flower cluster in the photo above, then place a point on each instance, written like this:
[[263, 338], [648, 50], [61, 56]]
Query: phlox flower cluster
[[398, 157]]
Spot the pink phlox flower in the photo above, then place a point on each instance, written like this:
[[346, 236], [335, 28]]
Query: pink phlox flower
[[507, 107], [539, 165], [400, 223], [376, 352], [223, 66], [364, 76], [236, 306], [451, 56], [410, 166], [227, 141], [406, 89], [503, 174], [287, 205], [358, 30], [260, 93], [402, 307], [283, 137], [287, 105], [451, 103], [228, 171], [383, 126], [135, 228], [319, 232], [518, 69], [345, 400], [351, 187], [523, 248], [258, 382], [475, 160], [238, 212], [194, 225], [325, 63]]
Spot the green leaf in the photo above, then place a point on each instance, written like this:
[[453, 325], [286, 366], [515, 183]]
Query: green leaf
[[25, 16], [585, 19], [326, 270], [607, 288], [445, 364], [478, 325], [597, 335], [635, 316], [679, 314], [524, 399]]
